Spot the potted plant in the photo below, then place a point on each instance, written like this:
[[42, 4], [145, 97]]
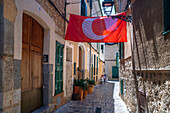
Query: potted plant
[[81, 85], [76, 86], [85, 90], [91, 85], [76, 89]]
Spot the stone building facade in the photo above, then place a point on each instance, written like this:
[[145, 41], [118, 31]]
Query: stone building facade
[[28, 77], [151, 45], [36, 63], [110, 59]]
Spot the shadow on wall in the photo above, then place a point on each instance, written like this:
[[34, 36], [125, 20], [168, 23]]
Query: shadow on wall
[[148, 26]]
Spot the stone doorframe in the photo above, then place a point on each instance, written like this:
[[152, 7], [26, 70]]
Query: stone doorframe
[[33, 9], [67, 44]]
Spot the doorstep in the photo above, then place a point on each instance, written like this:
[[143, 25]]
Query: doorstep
[[45, 109]]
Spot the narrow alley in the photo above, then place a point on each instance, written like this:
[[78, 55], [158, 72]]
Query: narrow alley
[[54, 55], [104, 99]]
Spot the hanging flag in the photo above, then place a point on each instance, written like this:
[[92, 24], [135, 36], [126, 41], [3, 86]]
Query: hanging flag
[[96, 29]]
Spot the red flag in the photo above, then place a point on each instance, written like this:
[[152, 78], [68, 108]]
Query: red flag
[[96, 29]]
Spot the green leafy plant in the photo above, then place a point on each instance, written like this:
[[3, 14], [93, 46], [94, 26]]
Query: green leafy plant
[[91, 82], [85, 87], [76, 82]]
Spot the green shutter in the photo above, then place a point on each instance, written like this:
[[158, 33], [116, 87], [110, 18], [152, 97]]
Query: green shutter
[[121, 86], [94, 64], [117, 59], [83, 8], [92, 71], [74, 68], [166, 15], [59, 68], [97, 65]]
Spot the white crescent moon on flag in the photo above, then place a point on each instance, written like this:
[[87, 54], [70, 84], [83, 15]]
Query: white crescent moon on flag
[[88, 31]]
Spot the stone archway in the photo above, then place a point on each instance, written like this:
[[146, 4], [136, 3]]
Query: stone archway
[[34, 10]]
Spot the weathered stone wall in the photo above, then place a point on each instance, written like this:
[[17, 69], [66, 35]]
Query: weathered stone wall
[[152, 57], [152, 50], [59, 21], [129, 92], [10, 92], [156, 85]]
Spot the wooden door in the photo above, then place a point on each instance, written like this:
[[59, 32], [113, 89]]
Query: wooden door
[[115, 72], [31, 65], [142, 100]]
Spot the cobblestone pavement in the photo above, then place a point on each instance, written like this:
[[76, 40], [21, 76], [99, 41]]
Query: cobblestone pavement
[[102, 97]]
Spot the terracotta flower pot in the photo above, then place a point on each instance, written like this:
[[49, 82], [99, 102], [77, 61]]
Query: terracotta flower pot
[[76, 89], [80, 94], [85, 94], [90, 89]]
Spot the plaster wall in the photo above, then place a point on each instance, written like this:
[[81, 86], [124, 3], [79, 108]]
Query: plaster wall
[[110, 51]]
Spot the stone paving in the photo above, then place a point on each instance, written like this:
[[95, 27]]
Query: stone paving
[[102, 97]]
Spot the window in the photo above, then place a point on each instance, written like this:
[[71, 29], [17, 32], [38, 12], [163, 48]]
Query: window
[[121, 46], [74, 68], [98, 47], [90, 3], [102, 48], [83, 8], [166, 15]]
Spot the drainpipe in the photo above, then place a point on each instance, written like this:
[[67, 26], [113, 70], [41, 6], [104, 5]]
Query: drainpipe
[[90, 63], [90, 49], [65, 16]]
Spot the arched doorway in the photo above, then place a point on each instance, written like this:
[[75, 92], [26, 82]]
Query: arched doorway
[[81, 62], [31, 65]]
